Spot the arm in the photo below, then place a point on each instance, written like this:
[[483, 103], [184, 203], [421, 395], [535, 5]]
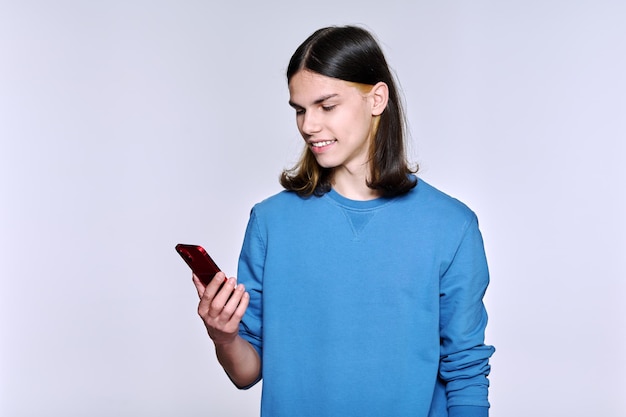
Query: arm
[[464, 363], [240, 361], [221, 310]]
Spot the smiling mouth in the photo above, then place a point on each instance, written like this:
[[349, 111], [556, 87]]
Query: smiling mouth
[[321, 144]]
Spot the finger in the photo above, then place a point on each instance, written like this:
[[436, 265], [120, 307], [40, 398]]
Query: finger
[[219, 301], [200, 287], [213, 287], [232, 317], [233, 302], [241, 307], [207, 297], [216, 282]]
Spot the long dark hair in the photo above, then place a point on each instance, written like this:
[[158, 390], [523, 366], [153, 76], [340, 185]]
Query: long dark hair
[[350, 53]]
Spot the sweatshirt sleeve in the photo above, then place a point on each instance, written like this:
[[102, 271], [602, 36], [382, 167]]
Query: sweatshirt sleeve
[[468, 411], [464, 362], [250, 273]]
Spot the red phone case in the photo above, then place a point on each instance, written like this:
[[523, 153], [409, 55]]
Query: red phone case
[[199, 261]]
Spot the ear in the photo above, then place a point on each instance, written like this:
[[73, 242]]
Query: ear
[[380, 96]]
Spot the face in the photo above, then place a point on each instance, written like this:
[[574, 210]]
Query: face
[[335, 118]]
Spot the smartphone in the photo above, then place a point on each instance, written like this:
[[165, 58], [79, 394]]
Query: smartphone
[[199, 261]]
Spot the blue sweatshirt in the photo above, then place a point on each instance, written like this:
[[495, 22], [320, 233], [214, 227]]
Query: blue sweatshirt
[[367, 308]]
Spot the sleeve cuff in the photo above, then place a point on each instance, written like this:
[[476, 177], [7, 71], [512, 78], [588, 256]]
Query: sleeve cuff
[[468, 411]]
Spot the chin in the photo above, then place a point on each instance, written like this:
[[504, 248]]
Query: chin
[[325, 164]]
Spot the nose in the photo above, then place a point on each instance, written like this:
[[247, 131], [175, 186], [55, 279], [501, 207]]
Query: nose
[[309, 123]]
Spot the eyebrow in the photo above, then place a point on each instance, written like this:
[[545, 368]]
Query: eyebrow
[[318, 101]]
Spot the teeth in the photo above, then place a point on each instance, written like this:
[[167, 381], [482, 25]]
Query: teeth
[[320, 144]]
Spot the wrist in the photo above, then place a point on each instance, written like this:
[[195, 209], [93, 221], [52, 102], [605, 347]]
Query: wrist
[[223, 342]]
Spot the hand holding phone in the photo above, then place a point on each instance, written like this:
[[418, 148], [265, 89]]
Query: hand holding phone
[[233, 300]]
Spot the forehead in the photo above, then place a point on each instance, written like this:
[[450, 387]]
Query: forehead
[[307, 86]]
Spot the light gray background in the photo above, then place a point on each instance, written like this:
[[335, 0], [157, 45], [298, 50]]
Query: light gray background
[[129, 126]]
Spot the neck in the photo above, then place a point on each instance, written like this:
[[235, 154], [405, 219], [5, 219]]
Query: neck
[[353, 185]]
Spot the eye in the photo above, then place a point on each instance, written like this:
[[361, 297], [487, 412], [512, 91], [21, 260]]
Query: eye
[[299, 111], [328, 108]]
